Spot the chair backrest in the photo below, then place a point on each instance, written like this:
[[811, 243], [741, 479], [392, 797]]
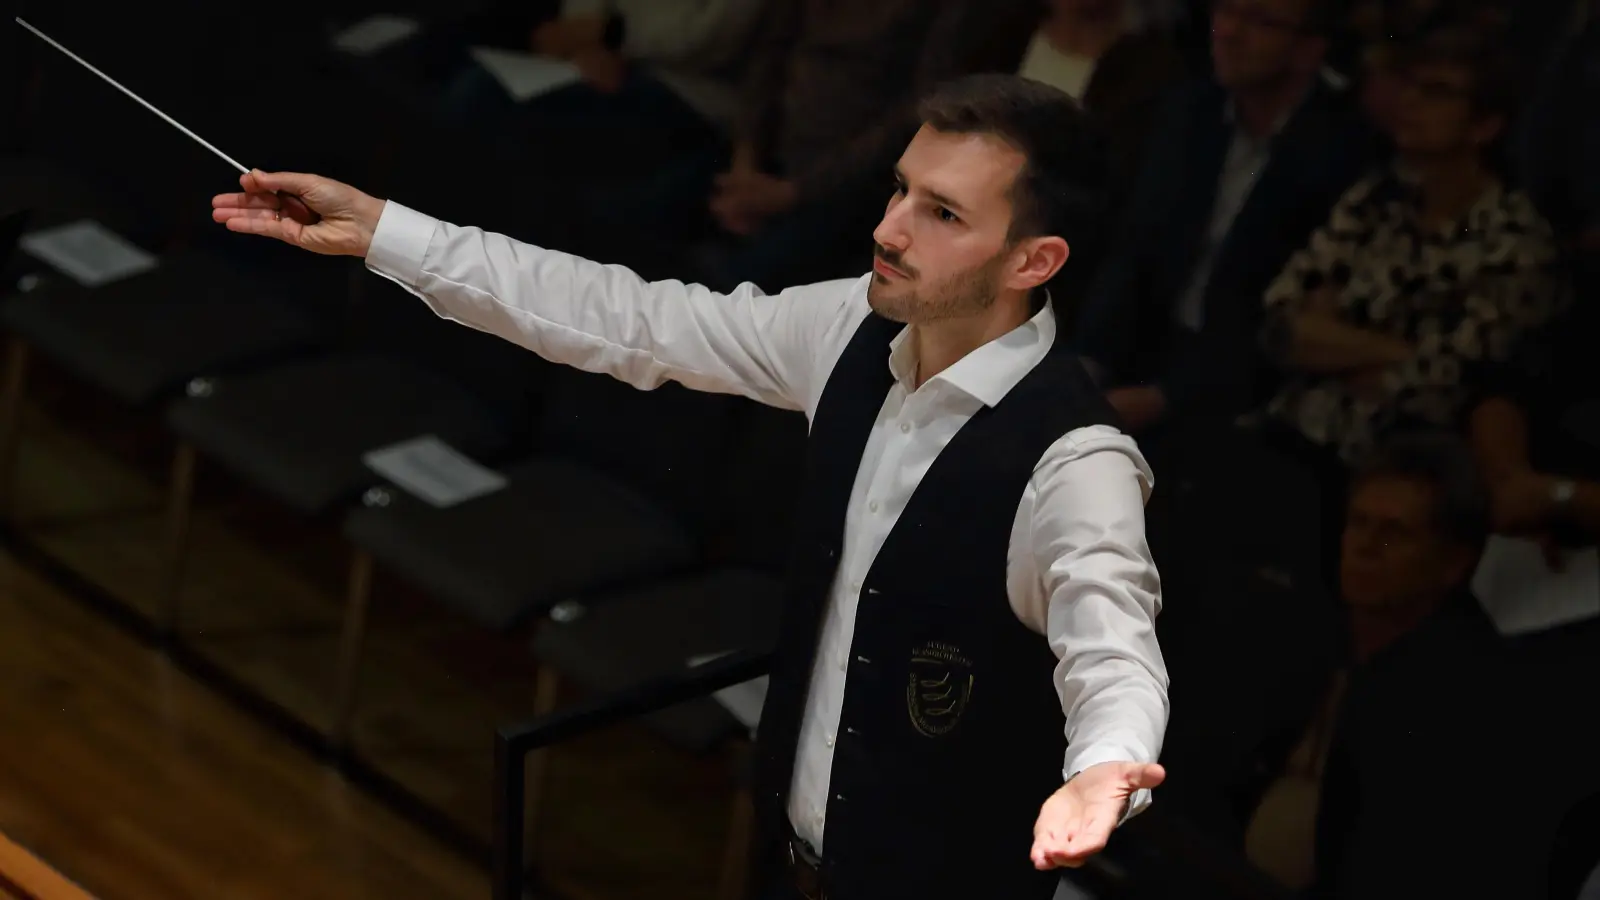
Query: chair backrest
[[669, 443]]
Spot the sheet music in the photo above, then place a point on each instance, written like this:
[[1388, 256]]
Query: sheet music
[[1523, 594], [524, 75], [87, 252], [433, 471]]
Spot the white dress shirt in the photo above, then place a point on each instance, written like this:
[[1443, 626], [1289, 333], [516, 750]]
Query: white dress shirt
[[1079, 573]]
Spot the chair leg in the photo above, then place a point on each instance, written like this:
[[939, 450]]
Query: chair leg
[[11, 394], [357, 601], [180, 511], [736, 856], [547, 693]]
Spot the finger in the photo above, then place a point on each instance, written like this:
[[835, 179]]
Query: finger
[[1147, 776], [265, 226], [297, 183], [245, 201], [224, 215]]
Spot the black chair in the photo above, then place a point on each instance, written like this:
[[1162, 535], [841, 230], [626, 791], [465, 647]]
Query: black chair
[[611, 642], [298, 432], [616, 495], [142, 338], [514, 743]]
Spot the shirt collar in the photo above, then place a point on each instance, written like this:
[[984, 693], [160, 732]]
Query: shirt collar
[[988, 373]]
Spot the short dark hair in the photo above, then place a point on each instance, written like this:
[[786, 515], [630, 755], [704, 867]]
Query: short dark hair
[[1059, 190], [1468, 45], [1442, 461]]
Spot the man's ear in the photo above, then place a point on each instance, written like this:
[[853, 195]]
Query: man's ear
[[1035, 261]]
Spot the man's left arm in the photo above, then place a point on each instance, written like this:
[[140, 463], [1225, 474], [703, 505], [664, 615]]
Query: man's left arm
[[1102, 592]]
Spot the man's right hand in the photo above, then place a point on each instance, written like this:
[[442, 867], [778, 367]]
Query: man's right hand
[[349, 217]]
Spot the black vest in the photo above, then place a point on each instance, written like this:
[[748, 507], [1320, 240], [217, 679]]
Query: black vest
[[951, 734]]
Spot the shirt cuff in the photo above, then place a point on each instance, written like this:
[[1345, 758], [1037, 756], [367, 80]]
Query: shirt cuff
[[400, 243], [1094, 756]]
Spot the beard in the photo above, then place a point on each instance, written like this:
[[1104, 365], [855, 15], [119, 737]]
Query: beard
[[912, 301]]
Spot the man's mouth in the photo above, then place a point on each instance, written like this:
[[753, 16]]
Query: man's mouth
[[886, 270]]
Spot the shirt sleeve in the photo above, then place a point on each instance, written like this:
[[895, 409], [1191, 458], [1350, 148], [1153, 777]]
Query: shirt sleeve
[[1103, 593], [600, 318]]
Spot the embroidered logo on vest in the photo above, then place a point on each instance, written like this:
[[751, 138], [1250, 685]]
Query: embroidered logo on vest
[[938, 688]]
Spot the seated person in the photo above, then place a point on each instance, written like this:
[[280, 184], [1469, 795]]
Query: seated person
[[1558, 140], [827, 106], [1240, 169], [1114, 59], [657, 68], [1425, 269], [1370, 794], [1536, 430]]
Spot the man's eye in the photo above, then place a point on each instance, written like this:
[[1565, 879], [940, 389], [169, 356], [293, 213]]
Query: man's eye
[[946, 215]]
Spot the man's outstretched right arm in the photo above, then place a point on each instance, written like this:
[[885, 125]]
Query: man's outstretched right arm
[[569, 310]]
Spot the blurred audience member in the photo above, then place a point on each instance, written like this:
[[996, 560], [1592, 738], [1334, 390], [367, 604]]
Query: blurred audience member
[[1412, 777], [662, 67], [1558, 143], [1426, 269], [1537, 434], [827, 107], [1240, 169], [1384, 27], [1411, 541], [1113, 59]]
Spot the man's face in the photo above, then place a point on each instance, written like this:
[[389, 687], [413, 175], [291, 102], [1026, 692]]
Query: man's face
[[1393, 557], [942, 245], [1258, 43], [1434, 113]]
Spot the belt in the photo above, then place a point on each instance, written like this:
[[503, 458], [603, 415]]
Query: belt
[[805, 870]]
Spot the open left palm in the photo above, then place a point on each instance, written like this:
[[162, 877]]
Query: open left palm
[[1077, 820]]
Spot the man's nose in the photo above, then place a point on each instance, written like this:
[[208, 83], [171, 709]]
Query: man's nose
[[891, 232]]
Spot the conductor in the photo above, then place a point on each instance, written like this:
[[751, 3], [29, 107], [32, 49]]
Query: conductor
[[967, 692]]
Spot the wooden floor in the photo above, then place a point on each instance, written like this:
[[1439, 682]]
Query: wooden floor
[[139, 781]]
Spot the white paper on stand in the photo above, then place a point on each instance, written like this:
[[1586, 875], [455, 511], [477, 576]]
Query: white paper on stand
[[742, 701], [524, 75], [375, 33], [1523, 594], [433, 471], [87, 252]]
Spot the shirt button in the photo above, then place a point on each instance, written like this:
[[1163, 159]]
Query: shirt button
[[855, 587], [873, 506], [829, 741], [905, 427]]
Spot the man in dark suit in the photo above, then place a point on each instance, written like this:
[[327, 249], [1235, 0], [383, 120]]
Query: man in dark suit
[[1241, 168], [1430, 729]]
